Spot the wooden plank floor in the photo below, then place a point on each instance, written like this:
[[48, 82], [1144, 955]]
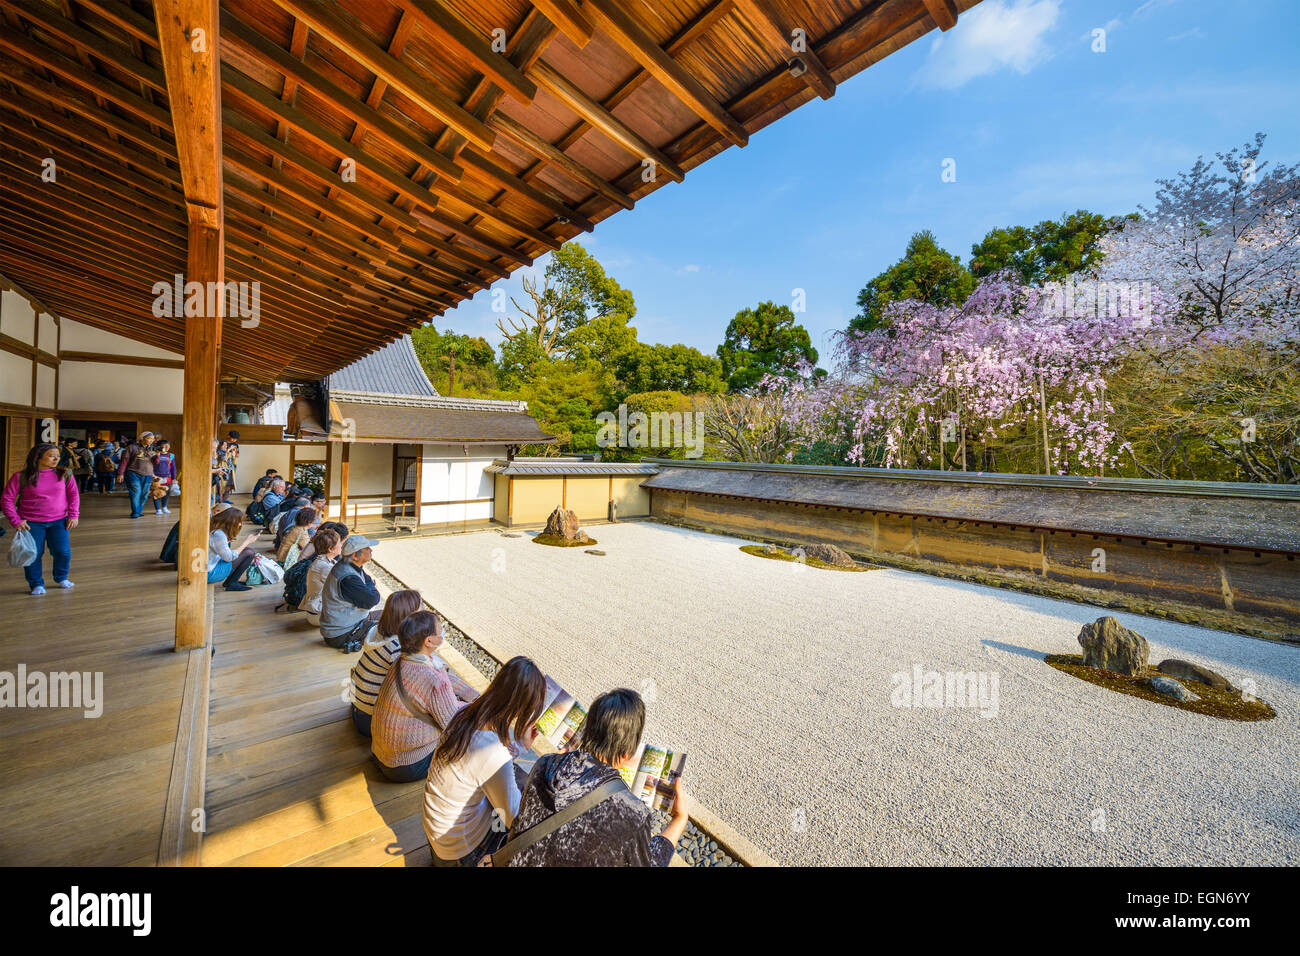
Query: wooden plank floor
[[289, 781], [91, 791]]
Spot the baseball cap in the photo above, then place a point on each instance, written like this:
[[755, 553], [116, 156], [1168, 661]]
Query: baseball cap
[[356, 542]]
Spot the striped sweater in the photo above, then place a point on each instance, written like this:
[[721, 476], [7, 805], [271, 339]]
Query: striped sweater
[[371, 668], [397, 737]]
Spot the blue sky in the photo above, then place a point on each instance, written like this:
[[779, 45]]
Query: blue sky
[[1036, 122]]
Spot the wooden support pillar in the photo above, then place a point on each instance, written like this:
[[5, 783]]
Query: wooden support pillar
[[189, 43], [202, 348], [419, 484], [343, 484]]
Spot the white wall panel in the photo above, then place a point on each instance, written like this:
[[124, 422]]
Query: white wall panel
[[18, 319]]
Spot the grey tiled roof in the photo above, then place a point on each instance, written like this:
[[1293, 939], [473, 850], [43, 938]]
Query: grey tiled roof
[[568, 466], [391, 370]]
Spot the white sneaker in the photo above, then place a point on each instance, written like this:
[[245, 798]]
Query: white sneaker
[[66, 585], [166, 510], [38, 590]]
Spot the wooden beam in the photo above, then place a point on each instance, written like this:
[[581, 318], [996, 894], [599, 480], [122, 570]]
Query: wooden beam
[[943, 13], [189, 38], [762, 16], [325, 17], [437, 19], [523, 136], [569, 18], [388, 130], [641, 47], [603, 119]]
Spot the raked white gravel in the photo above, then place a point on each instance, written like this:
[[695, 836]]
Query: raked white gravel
[[776, 679]]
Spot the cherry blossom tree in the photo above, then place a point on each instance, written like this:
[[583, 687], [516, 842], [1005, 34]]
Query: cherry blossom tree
[[940, 386], [1224, 239]]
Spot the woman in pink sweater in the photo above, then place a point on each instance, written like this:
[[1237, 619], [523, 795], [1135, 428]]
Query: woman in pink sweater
[[416, 701], [43, 499]]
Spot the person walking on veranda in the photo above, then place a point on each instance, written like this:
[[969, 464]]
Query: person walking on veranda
[[43, 499], [136, 468]]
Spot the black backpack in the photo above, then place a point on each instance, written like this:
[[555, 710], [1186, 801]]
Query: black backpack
[[295, 583], [256, 512], [171, 545], [269, 515]]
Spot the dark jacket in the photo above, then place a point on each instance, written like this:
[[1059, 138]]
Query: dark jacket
[[615, 832]]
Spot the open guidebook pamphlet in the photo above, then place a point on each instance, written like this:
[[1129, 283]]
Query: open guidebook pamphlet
[[651, 775]]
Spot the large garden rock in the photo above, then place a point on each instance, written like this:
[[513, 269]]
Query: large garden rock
[[1189, 671], [563, 523], [828, 554], [1170, 688], [1111, 646]]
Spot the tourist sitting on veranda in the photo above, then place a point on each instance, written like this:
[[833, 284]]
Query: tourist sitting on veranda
[[381, 646], [263, 484], [614, 832], [296, 537], [329, 546], [275, 495], [471, 796], [337, 527], [282, 523], [415, 703], [349, 601], [226, 563]]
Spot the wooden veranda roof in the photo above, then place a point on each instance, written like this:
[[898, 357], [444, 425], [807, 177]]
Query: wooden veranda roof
[[468, 163]]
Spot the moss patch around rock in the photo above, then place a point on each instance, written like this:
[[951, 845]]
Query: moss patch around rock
[[559, 541], [1226, 705], [782, 555]]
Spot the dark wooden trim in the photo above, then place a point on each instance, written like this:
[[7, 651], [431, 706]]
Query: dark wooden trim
[[121, 359], [16, 346]]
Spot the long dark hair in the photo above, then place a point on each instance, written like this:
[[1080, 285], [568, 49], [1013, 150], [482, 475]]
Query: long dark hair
[[513, 701], [32, 467]]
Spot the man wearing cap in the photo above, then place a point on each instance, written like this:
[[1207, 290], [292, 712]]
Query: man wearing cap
[[350, 600]]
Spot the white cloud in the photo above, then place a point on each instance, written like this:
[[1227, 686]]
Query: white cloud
[[690, 268], [994, 35]]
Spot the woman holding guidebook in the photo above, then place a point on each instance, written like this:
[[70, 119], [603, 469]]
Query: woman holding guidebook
[[471, 795], [615, 829]]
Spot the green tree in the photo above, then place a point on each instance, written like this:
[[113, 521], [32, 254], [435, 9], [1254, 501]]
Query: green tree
[[564, 399], [575, 289], [476, 369], [669, 368], [1047, 252], [761, 341], [926, 272]]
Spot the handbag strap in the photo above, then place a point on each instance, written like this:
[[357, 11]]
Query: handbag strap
[[552, 823], [409, 704]]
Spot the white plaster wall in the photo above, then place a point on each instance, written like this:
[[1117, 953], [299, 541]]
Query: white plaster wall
[[85, 338], [15, 378], [45, 397], [49, 334], [18, 319], [255, 459], [104, 387], [450, 474]]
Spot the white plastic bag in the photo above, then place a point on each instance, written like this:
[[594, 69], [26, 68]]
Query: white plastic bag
[[22, 550], [272, 573], [175, 489]]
